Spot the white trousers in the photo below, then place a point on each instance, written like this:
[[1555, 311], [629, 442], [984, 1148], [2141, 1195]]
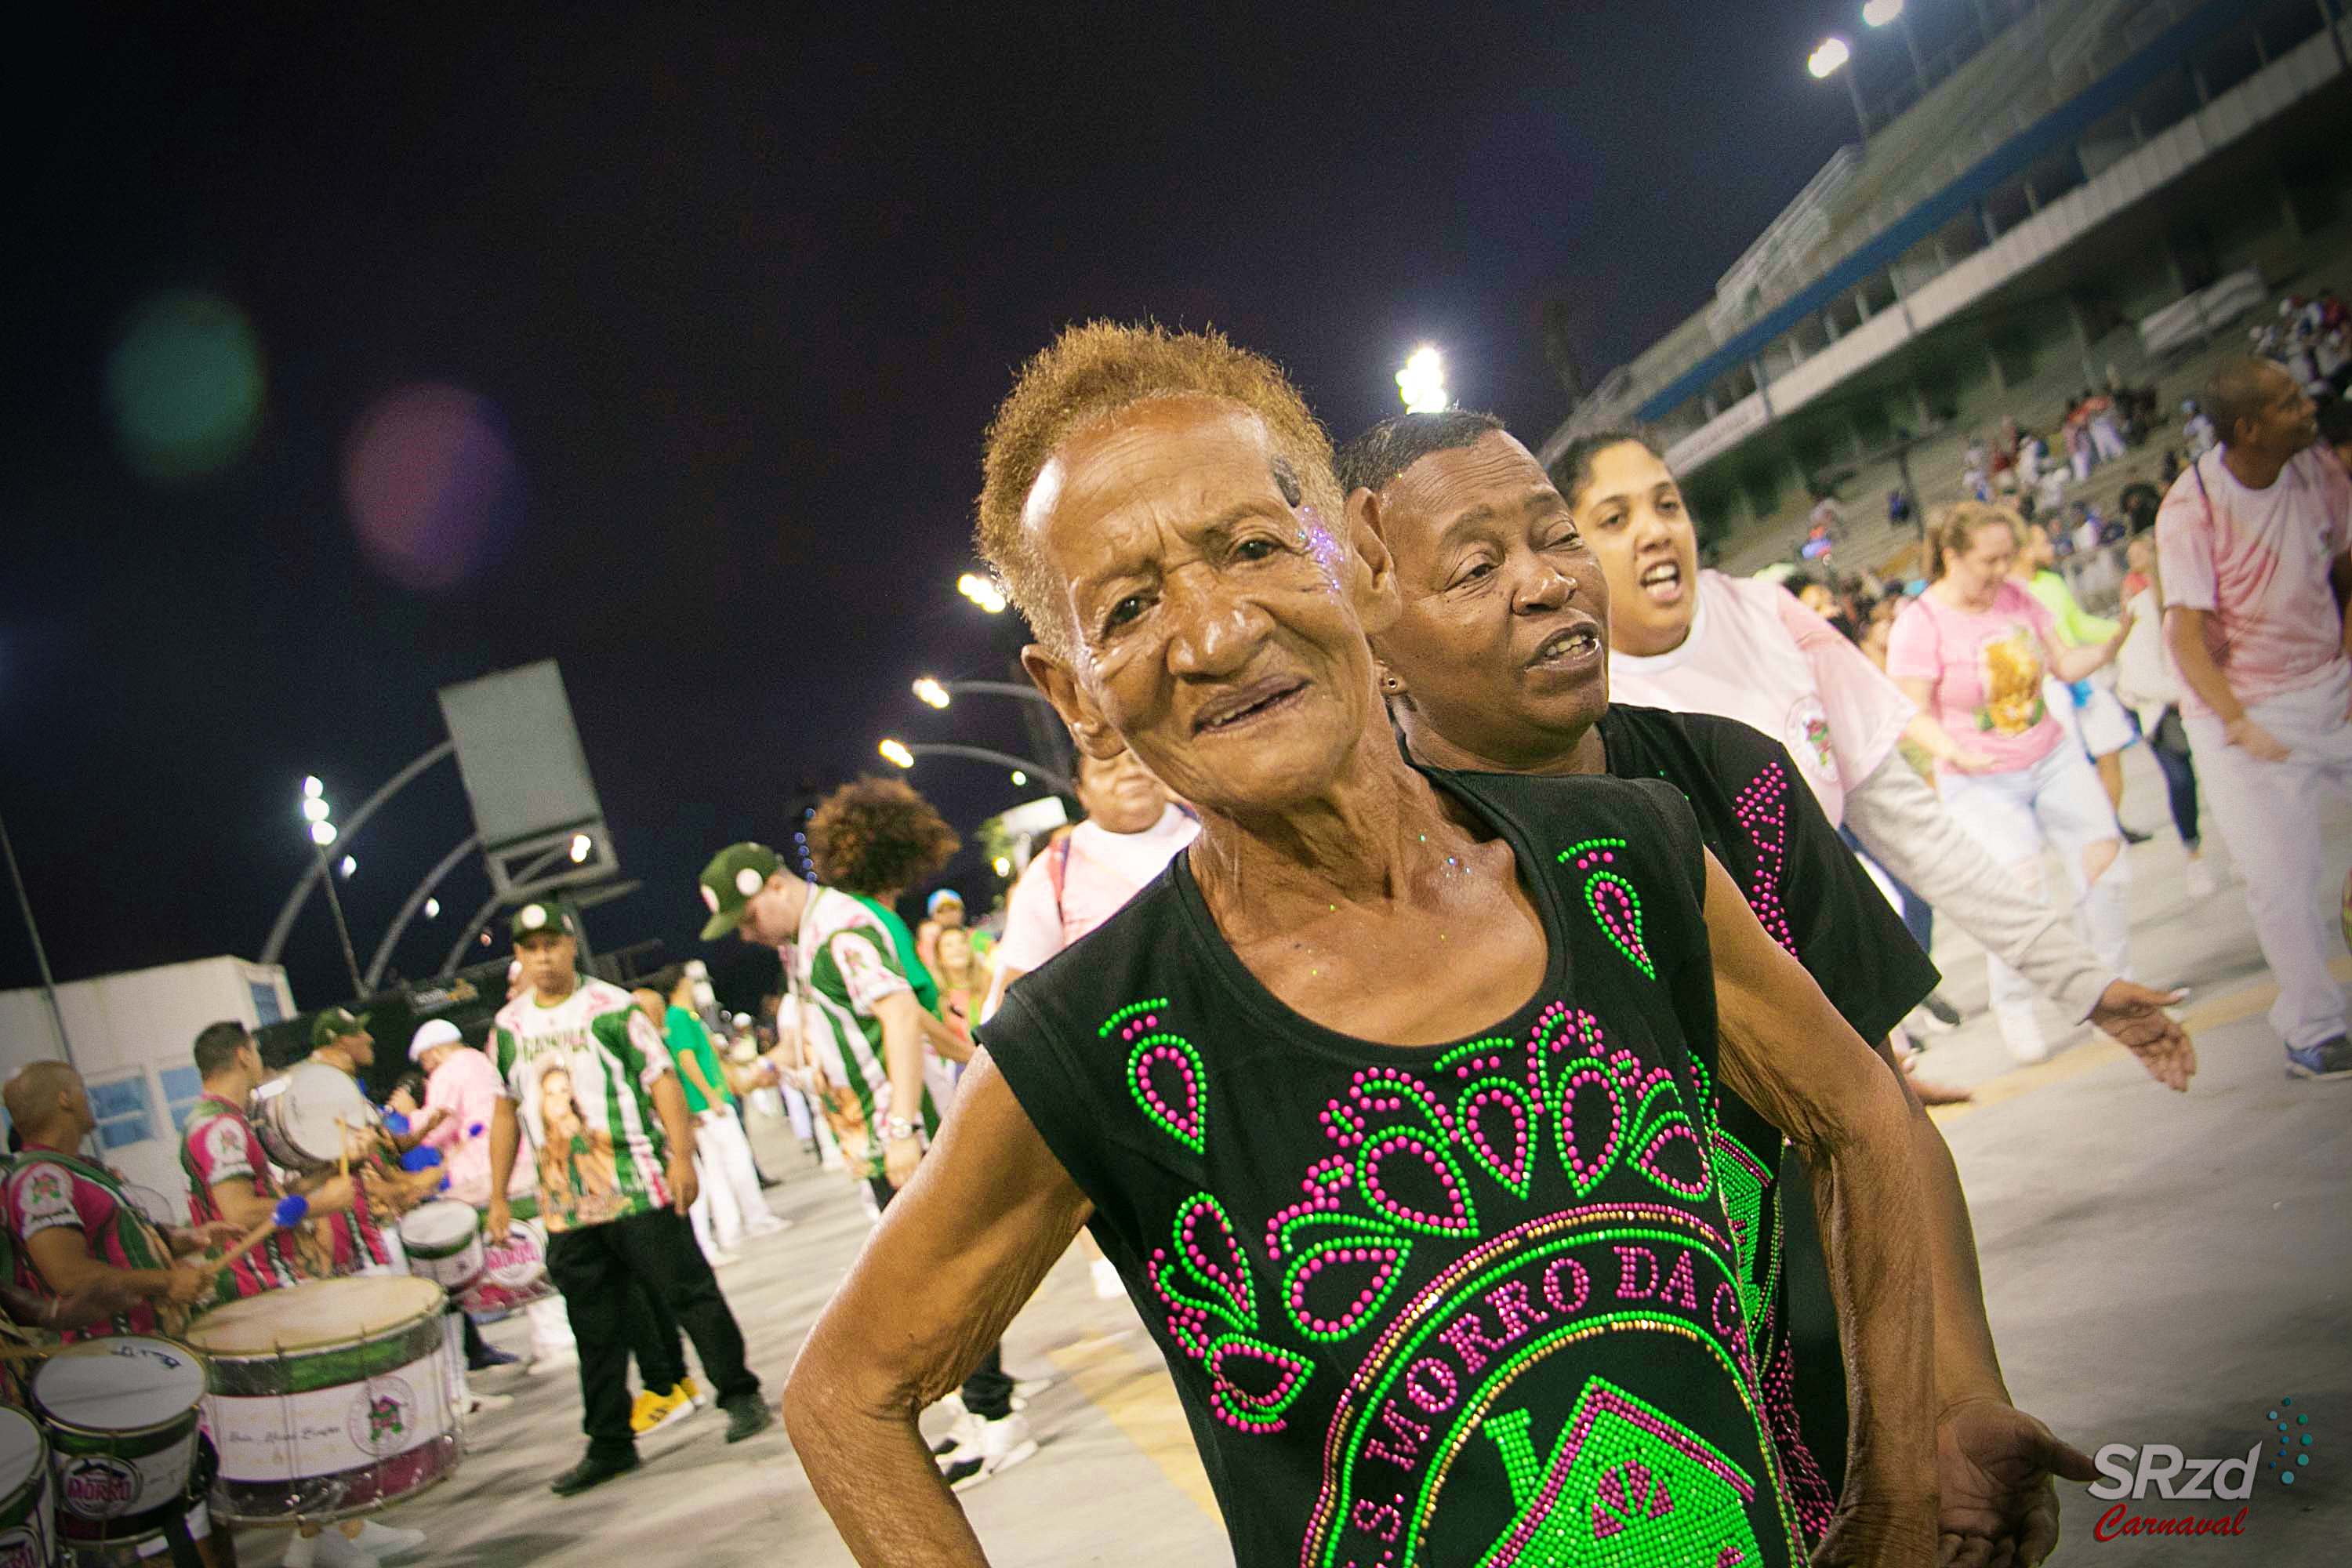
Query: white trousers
[[718, 1223], [726, 1139], [2054, 804], [2269, 815]]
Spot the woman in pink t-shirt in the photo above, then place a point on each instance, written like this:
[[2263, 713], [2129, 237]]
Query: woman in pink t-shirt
[[1972, 651]]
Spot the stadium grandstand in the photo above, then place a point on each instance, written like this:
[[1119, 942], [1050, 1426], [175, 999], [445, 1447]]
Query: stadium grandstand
[[2076, 194]]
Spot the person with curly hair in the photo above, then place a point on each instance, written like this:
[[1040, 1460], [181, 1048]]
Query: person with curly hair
[[863, 1028]]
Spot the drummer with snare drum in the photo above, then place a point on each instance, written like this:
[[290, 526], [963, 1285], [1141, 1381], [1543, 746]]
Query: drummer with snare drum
[[363, 1237], [77, 1237], [461, 1096], [230, 1178]]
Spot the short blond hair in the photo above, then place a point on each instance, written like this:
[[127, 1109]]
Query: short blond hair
[[1955, 528], [1092, 372]]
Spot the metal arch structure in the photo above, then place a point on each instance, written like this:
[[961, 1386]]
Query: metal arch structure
[[423, 890], [1051, 777], [358, 820], [524, 886]]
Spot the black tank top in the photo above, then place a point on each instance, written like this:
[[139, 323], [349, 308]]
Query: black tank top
[[1448, 1304]]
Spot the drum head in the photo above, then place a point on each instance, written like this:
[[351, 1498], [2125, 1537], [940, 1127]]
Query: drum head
[[22, 1450], [441, 1225], [315, 1105], [315, 1315], [123, 1384]]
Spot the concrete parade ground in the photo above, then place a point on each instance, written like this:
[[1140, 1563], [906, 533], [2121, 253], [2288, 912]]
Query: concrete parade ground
[[2160, 1270]]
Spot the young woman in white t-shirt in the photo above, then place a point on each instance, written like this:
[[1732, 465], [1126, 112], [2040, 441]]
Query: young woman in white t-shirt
[[1698, 641]]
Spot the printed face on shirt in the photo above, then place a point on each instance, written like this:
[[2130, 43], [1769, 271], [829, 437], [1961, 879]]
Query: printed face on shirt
[[1219, 621], [557, 1111], [1501, 637], [1631, 513]]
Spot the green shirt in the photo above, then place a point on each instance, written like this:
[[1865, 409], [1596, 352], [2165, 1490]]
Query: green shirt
[[686, 1037], [2076, 625], [844, 961]]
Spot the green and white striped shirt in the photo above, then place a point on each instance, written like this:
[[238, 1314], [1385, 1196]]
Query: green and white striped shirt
[[581, 1074], [842, 964]]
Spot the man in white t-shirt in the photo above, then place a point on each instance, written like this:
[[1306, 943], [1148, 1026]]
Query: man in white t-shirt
[[2252, 548], [1696, 641], [1132, 831]]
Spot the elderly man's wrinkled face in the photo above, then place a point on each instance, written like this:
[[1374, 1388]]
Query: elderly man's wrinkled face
[[1502, 640], [1218, 623]]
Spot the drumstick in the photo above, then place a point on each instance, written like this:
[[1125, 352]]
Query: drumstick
[[289, 1214]]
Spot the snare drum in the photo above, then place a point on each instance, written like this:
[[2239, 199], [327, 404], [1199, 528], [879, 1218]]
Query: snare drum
[[514, 1274], [302, 1117], [28, 1536], [122, 1420], [444, 1240], [329, 1399]]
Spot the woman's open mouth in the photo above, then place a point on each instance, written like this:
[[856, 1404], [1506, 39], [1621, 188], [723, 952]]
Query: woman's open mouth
[[1238, 710]]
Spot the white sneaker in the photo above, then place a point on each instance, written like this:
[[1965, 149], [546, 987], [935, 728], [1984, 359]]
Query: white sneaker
[[381, 1543], [1002, 1445], [962, 1440], [328, 1549], [2198, 878], [767, 1225], [483, 1404], [1109, 1287], [549, 1363], [2021, 1031], [721, 1258]]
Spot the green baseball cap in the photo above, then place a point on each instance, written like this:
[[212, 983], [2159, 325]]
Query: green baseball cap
[[734, 875], [335, 1023], [541, 915]]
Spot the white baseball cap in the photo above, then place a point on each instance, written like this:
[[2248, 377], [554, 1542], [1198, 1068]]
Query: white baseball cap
[[432, 1033]]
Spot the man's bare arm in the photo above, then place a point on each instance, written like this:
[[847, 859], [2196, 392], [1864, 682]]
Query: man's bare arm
[[506, 1137], [1787, 1052], [957, 1255], [902, 1017]]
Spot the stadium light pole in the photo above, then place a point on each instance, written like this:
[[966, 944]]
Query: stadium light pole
[[1831, 58], [40, 953], [982, 591], [934, 693], [1884, 12], [317, 815], [899, 753], [1421, 382]]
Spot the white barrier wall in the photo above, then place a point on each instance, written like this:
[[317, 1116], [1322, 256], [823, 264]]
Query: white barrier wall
[[132, 1036]]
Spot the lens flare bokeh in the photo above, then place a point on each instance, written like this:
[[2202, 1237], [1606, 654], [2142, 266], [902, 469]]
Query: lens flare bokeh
[[435, 491], [186, 386]]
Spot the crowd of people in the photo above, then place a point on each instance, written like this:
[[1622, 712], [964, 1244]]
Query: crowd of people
[[1466, 1021]]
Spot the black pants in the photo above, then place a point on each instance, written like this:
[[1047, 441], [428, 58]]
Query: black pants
[[592, 1267], [987, 1392], [653, 1334]]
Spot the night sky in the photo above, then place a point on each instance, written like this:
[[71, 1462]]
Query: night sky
[[710, 313]]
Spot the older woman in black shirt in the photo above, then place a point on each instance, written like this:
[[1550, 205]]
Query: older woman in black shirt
[[1391, 1099]]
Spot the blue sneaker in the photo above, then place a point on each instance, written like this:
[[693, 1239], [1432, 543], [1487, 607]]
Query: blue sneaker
[[490, 1356], [2329, 1058]]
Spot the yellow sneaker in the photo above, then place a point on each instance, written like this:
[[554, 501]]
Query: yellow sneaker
[[654, 1411], [691, 1392]]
